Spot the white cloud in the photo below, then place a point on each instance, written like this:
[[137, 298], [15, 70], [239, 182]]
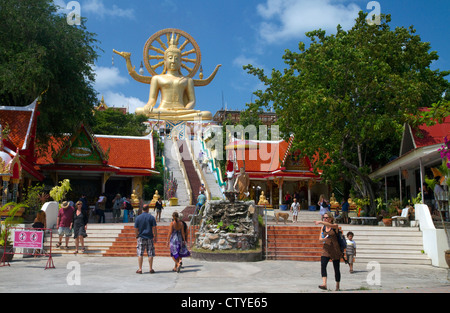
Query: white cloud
[[97, 7], [108, 77], [291, 19], [119, 100], [242, 60], [107, 81]]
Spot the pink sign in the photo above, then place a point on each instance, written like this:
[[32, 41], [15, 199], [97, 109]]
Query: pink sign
[[28, 239]]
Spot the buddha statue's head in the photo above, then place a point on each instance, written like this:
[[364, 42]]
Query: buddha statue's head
[[172, 56]]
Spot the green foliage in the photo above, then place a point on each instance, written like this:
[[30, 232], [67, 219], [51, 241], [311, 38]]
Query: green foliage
[[35, 197], [12, 208], [40, 53], [114, 122], [347, 96], [58, 193]]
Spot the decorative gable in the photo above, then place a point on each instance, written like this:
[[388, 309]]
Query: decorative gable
[[81, 148]]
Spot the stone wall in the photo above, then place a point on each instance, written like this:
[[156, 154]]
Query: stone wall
[[228, 226]]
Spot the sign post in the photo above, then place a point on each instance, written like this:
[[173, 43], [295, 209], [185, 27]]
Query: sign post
[[29, 238]]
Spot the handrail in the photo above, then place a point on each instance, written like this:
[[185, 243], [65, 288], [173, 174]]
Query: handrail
[[214, 167], [183, 170], [199, 171]]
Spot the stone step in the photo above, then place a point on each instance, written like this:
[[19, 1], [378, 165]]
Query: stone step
[[374, 243]]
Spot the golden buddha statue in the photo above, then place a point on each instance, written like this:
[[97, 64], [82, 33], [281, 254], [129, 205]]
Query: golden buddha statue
[[333, 202], [263, 199], [177, 90], [155, 199], [134, 199]]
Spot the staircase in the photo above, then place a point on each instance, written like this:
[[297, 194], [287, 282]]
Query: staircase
[[100, 238], [210, 177], [171, 162], [298, 243], [125, 244], [191, 173], [385, 245]]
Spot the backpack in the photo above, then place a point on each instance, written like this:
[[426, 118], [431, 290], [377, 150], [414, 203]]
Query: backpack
[[341, 239]]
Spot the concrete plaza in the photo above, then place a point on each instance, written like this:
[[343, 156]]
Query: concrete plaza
[[76, 273]]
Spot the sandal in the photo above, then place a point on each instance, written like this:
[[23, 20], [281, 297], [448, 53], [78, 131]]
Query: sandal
[[322, 287], [152, 271], [139, 272], [58, 245]]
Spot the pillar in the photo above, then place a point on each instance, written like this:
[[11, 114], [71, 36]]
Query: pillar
[[5, 180]]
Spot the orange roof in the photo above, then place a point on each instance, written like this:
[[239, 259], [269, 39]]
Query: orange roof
[[128, 152], [430, 135], [19, 120], [267, 158], [127, 155]]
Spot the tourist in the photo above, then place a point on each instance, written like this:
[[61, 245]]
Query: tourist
[[84, 200], [146, 235], [64, 221], [288, 200], [127, 209], [201, 199], [295, 207], [201, 189], [350, 250], [176, 242], [323, 204], [100, 207], [345, 207], [40, 223], [117, 205], [158, 208], [331, 249], [79, 227]]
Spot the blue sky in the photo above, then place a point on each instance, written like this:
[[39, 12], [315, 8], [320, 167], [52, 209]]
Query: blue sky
[[234, 33]]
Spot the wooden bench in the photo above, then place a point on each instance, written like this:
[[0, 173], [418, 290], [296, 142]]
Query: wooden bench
[[364, 220]]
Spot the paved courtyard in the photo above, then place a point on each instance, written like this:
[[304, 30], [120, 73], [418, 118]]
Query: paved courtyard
[[117, 275]]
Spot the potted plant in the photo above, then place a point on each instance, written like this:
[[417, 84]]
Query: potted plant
[[171, 189], [11, 209], [392, 209]]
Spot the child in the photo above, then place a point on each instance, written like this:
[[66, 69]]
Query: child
[[294, 208], [351, 250]]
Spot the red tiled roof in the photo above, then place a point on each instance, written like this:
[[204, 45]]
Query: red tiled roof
[[430, 135], [128, 152], [18, 120], [130, 155]]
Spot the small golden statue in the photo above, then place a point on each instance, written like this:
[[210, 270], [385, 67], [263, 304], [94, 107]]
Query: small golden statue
[[333, 202], [176, 89], [263, 199], [155, 199], [134, 200]]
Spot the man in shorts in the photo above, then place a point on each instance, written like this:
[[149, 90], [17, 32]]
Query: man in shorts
[[146, 234], [63, 221]]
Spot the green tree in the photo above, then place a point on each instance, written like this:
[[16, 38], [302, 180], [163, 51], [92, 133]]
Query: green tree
[[40, 53], [114, 122], [347, 96]]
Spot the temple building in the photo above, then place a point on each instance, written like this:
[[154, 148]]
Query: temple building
[[95, 164]]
